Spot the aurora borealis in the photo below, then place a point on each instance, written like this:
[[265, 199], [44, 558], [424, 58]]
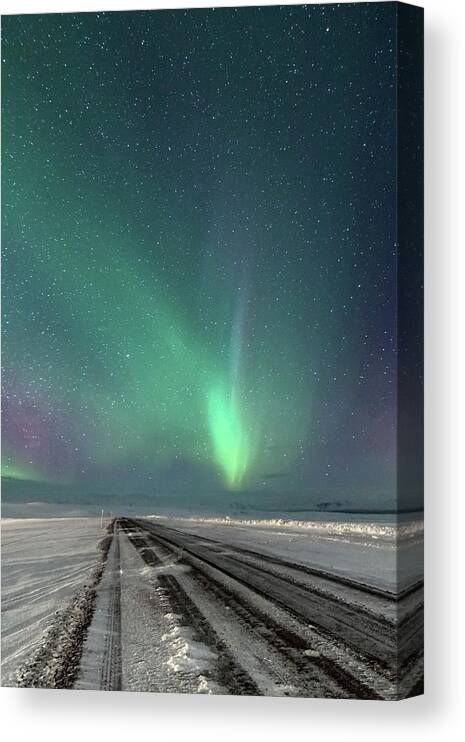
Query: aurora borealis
[[199, 253]]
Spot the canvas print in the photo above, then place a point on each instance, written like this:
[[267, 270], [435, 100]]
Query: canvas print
[[212, 468]]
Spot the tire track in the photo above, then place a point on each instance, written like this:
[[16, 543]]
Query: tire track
[[376, 655], [110, 678], [372, 636], [101, 660], [229, 674], [307, 672]]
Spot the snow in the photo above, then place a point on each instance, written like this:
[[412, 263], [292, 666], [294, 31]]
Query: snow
[[159, 654], [386, 556], [330, 527], [169, 567], [44, 564], [272, 674], [187, 654], [48, 561], [92, 661]]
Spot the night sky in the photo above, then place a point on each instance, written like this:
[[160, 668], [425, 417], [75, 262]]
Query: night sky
[[200, 254]]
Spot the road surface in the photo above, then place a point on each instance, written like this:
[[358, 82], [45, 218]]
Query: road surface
[[181, 612]]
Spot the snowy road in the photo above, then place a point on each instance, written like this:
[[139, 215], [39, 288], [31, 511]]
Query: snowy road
[[202, 615], [197, 605]]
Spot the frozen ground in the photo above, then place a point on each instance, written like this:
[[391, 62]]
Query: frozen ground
[[216, 605], [284, 609], [377, 554], [159, 654], [44, 563]]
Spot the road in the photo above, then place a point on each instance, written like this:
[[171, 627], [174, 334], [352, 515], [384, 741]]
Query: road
[[259, 625]]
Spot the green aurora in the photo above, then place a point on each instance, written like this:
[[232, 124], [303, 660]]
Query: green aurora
[[141, 372], [198, 273]]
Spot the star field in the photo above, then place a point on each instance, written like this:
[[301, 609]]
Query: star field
[[199, 246]]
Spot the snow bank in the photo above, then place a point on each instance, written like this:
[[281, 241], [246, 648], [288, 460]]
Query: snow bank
[[329, 528]]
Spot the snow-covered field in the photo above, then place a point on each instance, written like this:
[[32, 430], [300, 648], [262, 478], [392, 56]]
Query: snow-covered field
[[378, 554], [44, 563]]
